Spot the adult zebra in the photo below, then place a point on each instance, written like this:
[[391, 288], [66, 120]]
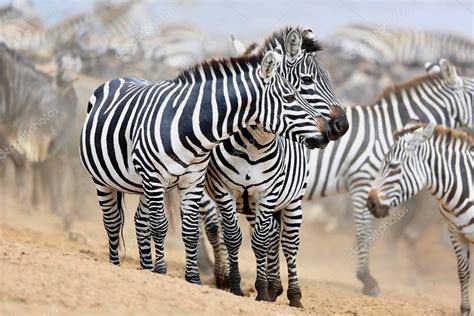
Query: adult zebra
[[255, 172], [386, 46], [442, 161], [143, 137], [441, 96]]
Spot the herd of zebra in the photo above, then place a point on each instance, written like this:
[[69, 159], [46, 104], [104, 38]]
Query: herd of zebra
[[254, 134]]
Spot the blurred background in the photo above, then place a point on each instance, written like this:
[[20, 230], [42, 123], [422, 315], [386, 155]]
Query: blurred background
[[65, 49]]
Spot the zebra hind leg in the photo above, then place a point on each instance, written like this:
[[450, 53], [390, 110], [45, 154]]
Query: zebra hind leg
[[158, 223], [461, 248], [190, 201], [212, 223], [142, 219], [232, 240], [112, 214], [275, 287], [290, 241]]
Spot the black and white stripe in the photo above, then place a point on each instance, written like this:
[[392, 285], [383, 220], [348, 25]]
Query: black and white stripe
[[261, 175], [145, 138], [442, 161]]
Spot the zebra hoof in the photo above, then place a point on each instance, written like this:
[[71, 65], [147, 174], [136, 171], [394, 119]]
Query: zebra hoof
[[193, 279], [263, 296], [237, 291], [221, 282], [274, 291], [371, 291], [296, 302], [159, 268]]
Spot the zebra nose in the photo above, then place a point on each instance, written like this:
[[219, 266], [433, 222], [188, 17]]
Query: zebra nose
[[339, 127], [375, 207]]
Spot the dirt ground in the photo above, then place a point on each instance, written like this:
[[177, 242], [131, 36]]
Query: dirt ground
[[44, 272]]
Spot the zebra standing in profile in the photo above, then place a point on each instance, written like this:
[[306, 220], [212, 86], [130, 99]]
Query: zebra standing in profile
[[351, 164], [145, 138], [442, 161], [261, 175]]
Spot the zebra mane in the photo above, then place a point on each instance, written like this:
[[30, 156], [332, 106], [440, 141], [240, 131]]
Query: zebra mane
[[12, 58], [214, 64], [439, 131], [310, 44], [404, 85]]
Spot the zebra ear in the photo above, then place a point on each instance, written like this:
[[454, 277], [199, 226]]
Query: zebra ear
[[448, 71], [293, 43], [421, 135], [237, 46], [432, 68], [270, 62]]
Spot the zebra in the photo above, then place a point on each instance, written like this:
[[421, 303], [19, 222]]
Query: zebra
[[350, 165], [385, 45], [441, 160], [255, 172], [146, 137]]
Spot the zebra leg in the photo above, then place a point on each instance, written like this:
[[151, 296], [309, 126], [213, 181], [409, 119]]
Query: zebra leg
[[213, 228], [275, 287], [290, 240], [112, 214], [190, 201], [461, 248], [158, 223], [142, 229], [260, 246], [363, 224], [232, 239]]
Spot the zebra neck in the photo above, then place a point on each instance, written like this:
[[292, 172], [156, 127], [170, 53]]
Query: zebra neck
[[225, 105], [444, 161]]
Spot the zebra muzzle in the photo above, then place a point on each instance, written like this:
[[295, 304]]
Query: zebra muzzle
[[375, 207]]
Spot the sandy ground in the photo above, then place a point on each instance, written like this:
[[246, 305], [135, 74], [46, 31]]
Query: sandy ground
[[43, 272]]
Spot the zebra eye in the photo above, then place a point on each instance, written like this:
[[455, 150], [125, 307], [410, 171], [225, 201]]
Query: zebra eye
[[393, 165], [290, 98], [306, 80]]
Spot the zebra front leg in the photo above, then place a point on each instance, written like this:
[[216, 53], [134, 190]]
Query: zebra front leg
[[110, 202], [232, 239], [212, 223], [290, 241], [275, 287], [461, 248], [363, 224], [158, 223], [142, 229], [260, 246], [190, 201]]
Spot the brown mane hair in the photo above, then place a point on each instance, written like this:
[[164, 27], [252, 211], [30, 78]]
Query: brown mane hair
[[439, 131], [404, 85], [215, 63]]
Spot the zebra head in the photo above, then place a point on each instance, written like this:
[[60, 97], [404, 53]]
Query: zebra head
[[302, 68], [403, 172], [284, 112], [457, 90]]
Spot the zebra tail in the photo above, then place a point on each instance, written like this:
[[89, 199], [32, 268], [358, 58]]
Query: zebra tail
[[121, 206]]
